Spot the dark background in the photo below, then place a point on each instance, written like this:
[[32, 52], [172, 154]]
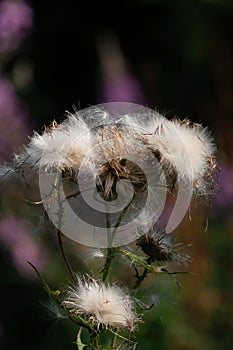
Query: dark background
[[172, 56]]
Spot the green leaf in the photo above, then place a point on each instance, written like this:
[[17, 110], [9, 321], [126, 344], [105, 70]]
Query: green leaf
[[79, 342], [139, 261], [55, 293], [80, 345]]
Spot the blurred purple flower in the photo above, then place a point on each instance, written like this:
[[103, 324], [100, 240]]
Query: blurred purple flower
[[13, 118], [122, 88], [225, 181], [117, 84], [16, 239], [16, 19]]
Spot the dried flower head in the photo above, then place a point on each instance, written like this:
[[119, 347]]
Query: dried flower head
[[186, 150], [157, 245], [61, 146], [111, 172], [106, 141], [104, 305]]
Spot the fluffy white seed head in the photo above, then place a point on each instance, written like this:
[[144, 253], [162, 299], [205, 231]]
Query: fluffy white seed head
[[60, 146], [185, 150], [109, 306]]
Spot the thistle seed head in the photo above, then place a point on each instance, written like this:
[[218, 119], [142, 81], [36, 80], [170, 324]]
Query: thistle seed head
[[102, 304], [157, 247]]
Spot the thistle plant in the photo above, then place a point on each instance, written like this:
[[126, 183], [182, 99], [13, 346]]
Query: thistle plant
[[105, 174]]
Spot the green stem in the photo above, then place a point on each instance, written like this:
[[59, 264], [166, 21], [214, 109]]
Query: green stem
[[108, 261], [122, 215], [140, 278], [66, 261], [113, 250], [57, 186], [114, 339], [94, 342]]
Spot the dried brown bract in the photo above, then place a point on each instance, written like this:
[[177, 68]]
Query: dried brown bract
[[158, 248]]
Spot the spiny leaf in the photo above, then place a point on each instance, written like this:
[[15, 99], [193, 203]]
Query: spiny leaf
[[79, 342], [139, 261]]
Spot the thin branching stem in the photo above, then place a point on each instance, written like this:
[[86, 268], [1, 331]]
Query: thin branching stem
[[57, 186], [113, 250], [66, 261], [108, 261], [140, 278]]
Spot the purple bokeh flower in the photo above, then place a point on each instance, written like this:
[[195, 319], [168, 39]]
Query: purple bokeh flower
[[225, 181], [117, 84], [123, 88], [22, 247], [16, 20], [14, 117]]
